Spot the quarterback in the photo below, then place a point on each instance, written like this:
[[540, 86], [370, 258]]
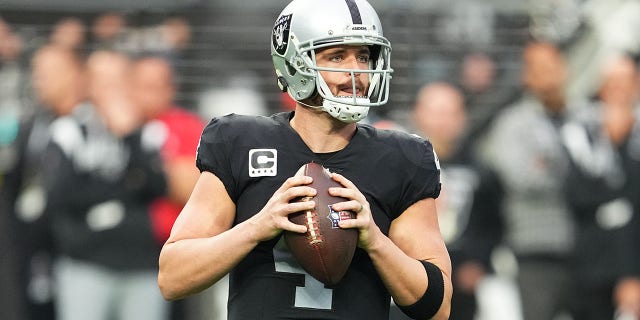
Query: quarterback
[[332, 58]]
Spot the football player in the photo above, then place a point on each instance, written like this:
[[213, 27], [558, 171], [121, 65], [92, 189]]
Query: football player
[[332, 58]]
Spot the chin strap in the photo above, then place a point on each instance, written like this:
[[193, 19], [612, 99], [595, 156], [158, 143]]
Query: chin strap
[[346, 112], [341, 111]]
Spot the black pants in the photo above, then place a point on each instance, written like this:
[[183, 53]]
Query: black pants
[[592, 302], [544, 287]]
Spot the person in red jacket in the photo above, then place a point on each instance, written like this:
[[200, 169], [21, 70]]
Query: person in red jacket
[[174, 130]]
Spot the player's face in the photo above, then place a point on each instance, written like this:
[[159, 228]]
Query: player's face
[[345, 57]]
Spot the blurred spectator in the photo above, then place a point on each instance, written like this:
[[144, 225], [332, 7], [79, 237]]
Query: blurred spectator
[[176, 33], [13, 81], [108, 89], [606, 27], [106, 264], [167, 38], [486, 91], [107, 29], [603, 188], [478, 72], [177, 132], [57, 79], [469, 203], [525, 149], [11, 75], [69, 32]]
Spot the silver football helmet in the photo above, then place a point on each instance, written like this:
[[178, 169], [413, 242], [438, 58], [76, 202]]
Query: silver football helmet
[[307, 25]]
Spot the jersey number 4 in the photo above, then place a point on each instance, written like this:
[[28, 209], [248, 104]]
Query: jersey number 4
[[313, 294]]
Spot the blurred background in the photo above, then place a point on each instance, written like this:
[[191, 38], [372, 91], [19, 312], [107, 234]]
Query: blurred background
[[222, 43], [218, 52]]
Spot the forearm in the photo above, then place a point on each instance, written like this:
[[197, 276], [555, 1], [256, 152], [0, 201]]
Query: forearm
[[405, 277], [205, 245], [189, 266]]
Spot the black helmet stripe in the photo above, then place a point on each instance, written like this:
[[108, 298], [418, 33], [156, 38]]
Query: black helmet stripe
[[355, 13]]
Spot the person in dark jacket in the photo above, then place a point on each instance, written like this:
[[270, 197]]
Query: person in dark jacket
[[603, 187], [101, 176], [469, 202]]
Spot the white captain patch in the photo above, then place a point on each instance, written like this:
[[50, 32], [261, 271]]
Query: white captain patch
[[263, 162]]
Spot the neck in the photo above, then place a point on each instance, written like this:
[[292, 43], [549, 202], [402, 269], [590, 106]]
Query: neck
[[66, 105], [321, 132], [443, 150], [555, 103]]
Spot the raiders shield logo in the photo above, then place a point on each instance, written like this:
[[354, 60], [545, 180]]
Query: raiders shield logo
[[280, 35]]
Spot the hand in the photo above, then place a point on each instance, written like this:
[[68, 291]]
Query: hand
[[367, 228], [468, 276], [273, 218]]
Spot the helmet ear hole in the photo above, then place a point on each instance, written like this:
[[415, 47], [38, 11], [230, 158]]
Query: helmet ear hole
[[290, 69], [374, 54]]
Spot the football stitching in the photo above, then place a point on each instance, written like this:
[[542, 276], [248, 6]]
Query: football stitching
[[313, 234]]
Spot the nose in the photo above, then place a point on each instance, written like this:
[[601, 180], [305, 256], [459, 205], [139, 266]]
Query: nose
[[354, 64]]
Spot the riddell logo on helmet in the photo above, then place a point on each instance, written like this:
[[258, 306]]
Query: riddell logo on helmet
[[359, 28]]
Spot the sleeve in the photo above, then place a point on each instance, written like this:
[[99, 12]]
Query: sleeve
[[61, 175], [424, 181], [485, 226], [213, 153], [145, 176], [589, 185]]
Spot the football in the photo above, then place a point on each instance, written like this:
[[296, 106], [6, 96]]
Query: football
[[325, 250]]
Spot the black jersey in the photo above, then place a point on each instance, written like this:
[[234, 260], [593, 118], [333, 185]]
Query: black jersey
[[98, 187], [253, 156]]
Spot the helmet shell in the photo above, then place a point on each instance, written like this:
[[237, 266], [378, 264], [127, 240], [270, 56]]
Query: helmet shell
[[307, 25]]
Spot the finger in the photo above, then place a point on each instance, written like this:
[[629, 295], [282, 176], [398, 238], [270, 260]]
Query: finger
[[343, 181], [294, 182], [345, 193], [351, 205], [349, 223], [294, 207], [293, 227], [298, 192]]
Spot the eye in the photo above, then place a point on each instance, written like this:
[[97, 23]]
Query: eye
[[335, 58], [363, 58]]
